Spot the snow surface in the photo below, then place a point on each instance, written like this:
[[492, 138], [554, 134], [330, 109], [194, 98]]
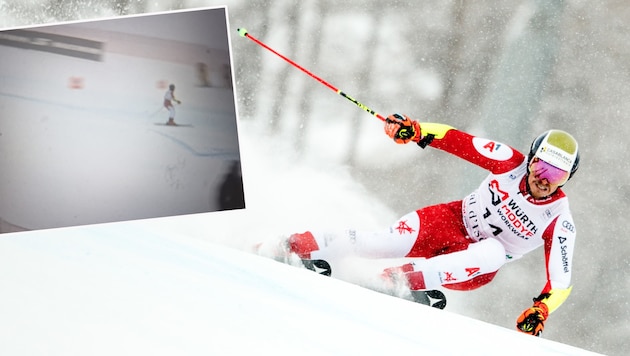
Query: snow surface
[[184, 285], [187, 285]]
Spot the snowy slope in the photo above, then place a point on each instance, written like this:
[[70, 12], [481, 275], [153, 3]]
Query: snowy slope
[[126, 288], [184, 285], [181, 285]]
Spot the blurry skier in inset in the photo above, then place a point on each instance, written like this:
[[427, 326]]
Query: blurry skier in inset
[[169, 98], [461, 245]]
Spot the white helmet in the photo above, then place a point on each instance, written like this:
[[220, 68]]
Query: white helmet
[[557, 148]]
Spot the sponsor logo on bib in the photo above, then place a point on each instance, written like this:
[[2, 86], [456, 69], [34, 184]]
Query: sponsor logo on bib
[[492, 149]]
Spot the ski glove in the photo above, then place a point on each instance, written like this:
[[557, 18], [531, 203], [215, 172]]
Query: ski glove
[[402, 129], [532, 321]]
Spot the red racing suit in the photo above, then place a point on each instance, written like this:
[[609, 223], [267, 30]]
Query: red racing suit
[[502, 209], [169, 97], [462, 244]]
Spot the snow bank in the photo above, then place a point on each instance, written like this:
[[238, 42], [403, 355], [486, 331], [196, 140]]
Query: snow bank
[[126, 288]]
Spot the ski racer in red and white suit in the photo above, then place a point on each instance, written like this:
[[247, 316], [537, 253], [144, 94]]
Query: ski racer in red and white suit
[[169, 98], [462, 244]]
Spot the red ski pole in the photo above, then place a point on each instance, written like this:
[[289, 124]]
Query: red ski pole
[[243, 32]]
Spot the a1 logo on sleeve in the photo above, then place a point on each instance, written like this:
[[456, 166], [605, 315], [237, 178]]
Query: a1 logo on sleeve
[[492, 149]]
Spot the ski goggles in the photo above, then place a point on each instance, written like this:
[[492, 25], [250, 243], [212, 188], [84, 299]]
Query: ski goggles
[[543, 170]]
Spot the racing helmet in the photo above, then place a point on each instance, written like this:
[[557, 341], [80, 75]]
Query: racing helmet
[[554, 155]]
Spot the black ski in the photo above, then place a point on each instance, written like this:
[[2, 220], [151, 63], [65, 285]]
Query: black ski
[[432, 298], [319, 266], [174, 125]]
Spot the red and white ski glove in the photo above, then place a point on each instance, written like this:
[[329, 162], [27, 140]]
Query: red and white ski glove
[[532, 321], [402, 129]]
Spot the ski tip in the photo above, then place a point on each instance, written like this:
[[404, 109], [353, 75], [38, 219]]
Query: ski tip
[[432, 298], [242, 32]]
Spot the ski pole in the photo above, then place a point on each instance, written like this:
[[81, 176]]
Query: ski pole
[[157, 111], [243, 33]]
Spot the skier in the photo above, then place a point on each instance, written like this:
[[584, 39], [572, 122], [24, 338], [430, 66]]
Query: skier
[[461, 245], [169, 98]]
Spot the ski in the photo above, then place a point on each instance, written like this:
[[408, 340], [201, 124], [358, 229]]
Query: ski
[[279, 252], [173, 125], [433, 298], [318, 266]]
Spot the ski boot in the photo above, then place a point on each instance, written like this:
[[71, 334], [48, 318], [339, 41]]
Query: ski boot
[[296, 251]]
